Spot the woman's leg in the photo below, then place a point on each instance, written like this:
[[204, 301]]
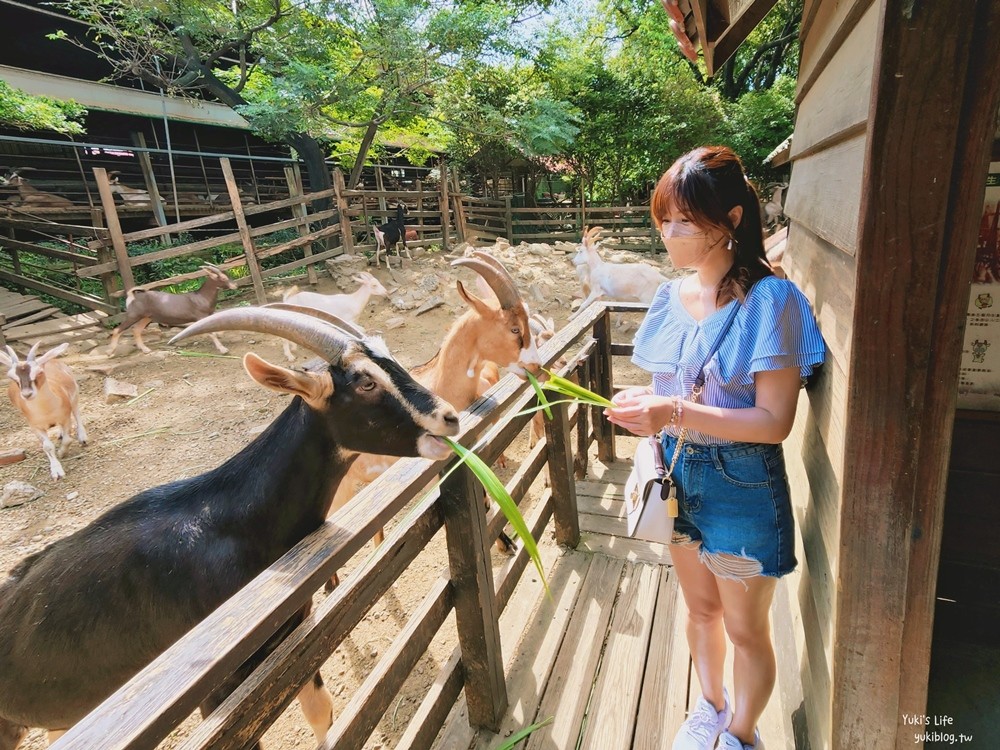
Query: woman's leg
[[705, 634], [746, 605]]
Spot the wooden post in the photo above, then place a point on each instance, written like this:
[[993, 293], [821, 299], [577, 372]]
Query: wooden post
[[582, 422], [476, 612], [14, 256], [3, 322], [347, 237], [606, 433], [456, 193], [420, 208], [508, 219], [114, 227], [379, 186], [560, 460], [241, 222], [299, 210], [108, 280], [146, 165], [445, 214]]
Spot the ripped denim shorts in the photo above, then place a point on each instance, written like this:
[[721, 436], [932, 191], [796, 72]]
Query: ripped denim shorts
[[733, 500]]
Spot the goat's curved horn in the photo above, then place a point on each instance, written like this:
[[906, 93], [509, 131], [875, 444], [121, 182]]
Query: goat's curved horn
[[31, 352], [592, 234], [213, 267], [496, 276], [313, 334], [13, 355], [350, 329]]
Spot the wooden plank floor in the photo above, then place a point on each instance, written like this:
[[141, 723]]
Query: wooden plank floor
[[28, 319], [606, 658]]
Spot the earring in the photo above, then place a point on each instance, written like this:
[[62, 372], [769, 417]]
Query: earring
[[732, 241]]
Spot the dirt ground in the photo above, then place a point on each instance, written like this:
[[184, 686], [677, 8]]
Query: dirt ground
[[193, 412]]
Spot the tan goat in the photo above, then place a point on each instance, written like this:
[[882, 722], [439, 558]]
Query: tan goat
[[484, 334], [44, 390]]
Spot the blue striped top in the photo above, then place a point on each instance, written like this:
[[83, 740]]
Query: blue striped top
[[774, 329]]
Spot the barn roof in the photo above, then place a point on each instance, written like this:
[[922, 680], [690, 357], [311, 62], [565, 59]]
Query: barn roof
[[109, 98], [717, 26]]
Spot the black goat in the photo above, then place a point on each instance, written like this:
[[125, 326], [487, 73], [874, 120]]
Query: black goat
[[390, 234], [84, 615]]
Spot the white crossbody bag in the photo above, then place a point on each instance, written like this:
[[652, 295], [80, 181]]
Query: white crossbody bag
[[650, 491]]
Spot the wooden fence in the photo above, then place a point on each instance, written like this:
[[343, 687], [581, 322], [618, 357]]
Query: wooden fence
[[625, 227], [180, 679], [60, 257]]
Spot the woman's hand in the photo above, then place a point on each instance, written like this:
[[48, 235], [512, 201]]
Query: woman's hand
[[630, 393], [639, 411]]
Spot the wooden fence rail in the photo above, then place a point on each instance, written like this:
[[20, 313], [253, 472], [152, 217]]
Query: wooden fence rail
[[144, 711]]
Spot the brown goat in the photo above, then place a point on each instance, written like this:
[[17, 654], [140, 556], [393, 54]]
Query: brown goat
[[143, 307]]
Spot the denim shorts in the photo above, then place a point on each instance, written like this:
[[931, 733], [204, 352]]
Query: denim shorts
[[733, 499]]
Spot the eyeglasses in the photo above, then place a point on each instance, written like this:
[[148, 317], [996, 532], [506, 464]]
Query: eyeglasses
[[680, 230]]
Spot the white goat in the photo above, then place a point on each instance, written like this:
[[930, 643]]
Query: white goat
[[774, 211], [344, 306], [45, 392], [130, 196], [623, 282]]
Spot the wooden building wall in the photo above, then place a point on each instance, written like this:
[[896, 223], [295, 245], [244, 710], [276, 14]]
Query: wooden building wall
[[884, 155], [824, 200]]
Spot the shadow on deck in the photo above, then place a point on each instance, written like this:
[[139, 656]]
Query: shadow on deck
[[606, 657]]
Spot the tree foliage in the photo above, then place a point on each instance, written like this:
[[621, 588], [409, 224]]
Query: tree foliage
[[23, 111]]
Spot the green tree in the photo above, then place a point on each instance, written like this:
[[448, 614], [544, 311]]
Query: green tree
[[189, 47], [503, 113], [24, 111], [336, 69]]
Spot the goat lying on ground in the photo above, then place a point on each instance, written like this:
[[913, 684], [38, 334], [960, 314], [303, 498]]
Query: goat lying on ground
[[81, 617], [344, 306], [390, 234], [30, 196], [143, 306], [623, 282], [484, 334], [44, 390]]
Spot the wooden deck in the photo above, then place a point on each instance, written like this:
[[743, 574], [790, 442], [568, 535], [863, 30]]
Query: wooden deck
[[606, 658]]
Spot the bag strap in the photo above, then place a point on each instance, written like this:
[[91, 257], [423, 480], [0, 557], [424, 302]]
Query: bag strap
[[699, 383]]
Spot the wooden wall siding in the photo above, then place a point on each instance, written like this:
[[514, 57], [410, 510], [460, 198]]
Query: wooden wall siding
[[934, 103], [832, 24], [824, 192], [839, 100]]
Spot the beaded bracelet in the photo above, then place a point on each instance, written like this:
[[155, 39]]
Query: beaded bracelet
[[677, 413]]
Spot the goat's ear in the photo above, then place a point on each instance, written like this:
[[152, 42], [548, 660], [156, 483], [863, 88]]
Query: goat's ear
[[473, 301], [314, 387], [52, 353]]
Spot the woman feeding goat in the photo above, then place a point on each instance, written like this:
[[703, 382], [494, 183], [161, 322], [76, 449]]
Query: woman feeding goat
[[727, 347]]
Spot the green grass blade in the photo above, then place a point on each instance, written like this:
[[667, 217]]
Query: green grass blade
[[514, 739], [508, 507], [569, 388], [538, 392]]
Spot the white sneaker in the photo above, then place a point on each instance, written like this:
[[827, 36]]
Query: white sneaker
[[702, 727], [729, 741]]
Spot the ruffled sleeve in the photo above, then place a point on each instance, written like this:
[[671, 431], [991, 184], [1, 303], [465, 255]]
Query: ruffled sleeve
[[661, 337], [776, 330]]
